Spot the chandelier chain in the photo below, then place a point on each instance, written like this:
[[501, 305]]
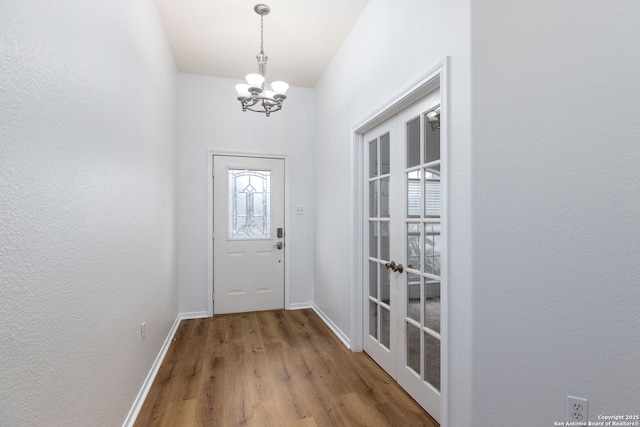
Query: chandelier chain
[[261, 33]]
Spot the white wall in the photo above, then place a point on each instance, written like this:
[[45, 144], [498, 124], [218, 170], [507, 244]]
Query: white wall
[[393, 44], [211, 119], [556, 196], [88, 216]]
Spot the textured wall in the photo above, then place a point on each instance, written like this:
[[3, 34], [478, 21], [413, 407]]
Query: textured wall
[[87, 208], [210, 118], [556, 197]]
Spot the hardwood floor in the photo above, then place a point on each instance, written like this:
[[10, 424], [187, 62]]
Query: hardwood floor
[[272, 368]]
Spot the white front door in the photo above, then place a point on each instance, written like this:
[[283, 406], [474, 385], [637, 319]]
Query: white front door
[[402, 236], [248, 222]]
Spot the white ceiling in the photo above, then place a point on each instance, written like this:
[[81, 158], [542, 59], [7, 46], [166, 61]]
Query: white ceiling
[[222, 37]]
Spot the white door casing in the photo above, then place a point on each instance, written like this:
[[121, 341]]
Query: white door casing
[[248, 224], [400, 332]]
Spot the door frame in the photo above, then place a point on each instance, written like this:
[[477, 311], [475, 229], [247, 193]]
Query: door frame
[[435, 78], [210, 266]]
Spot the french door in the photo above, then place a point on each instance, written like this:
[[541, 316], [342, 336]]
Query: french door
[[402, 205]]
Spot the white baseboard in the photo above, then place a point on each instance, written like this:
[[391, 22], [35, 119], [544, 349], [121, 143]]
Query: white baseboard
[[336, 330], [300, 305], [194, 315], [151, 376], [146, 385]]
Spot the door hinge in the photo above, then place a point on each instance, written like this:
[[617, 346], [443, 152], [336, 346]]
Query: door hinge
[[213, 234], [213, 172], [213, 297]]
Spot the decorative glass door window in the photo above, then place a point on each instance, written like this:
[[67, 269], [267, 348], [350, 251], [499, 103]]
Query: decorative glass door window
[[249, 204]]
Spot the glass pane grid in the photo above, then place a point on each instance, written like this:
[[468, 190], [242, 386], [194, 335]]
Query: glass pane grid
[[373, 320], [412, 322], [431, 139], [373, 198], [423, 234], [414, 285], [431, 248], [384, 197], [385, 286], [373, 158], [379, 278], [413, 146], [373, 279], [431, 332], [385, 241], [431, 165], [429, 220], [385, 158], [413, 246], [413, 348], [431, 360], [417, 167], [431, 305], [432, 193], [385, 326], [414, 191], [374, 231]]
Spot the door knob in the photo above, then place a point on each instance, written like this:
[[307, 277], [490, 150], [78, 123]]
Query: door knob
[[392, 265], [279, 245]]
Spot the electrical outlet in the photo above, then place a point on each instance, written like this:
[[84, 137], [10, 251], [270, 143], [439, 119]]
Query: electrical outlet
[[143, 330], [577, 409]]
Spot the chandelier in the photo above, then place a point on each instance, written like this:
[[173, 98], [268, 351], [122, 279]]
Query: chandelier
[[254, 95]]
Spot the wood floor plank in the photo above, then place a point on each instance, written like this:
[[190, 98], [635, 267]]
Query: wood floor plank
[[397, 415], [270, 327], [181, 413], [273, 368], [286, 383], [252, 338], [352, 412], [305, 422]]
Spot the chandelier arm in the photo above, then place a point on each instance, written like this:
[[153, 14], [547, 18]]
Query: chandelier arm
[[248, 103], [265, 111]]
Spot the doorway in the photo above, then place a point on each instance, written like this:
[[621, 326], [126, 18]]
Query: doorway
[[248, 234], [402, 205], [404, 231]]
